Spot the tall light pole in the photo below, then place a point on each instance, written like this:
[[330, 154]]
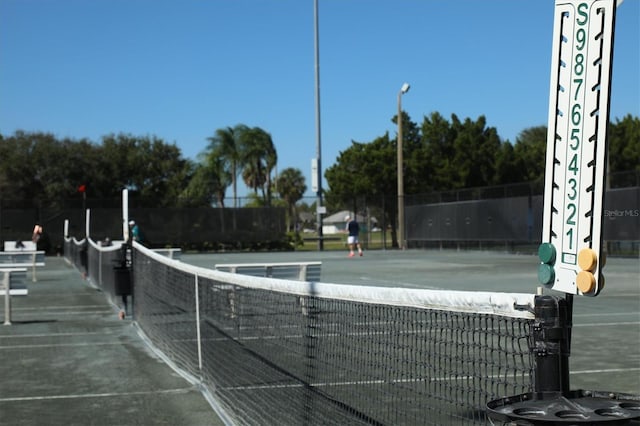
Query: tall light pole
[[401, 240], [318, 138]]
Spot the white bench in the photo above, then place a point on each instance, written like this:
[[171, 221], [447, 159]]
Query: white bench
[[297, 271], [15, 281], [22, 259], [300, 271], [26, 246], [171, 253]]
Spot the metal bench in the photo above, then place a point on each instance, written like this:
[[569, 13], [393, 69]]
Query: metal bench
[[13, 282], [300, 271], [20, 246], [171, 253], [297, 271], [22, 259]]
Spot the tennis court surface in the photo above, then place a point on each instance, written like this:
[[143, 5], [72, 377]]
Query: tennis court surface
[[605, 352], [69, 360]]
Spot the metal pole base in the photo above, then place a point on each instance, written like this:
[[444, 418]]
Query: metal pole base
[[576, 408]]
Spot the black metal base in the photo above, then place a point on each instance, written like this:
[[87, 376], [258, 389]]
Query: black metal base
[[122, 284], [579, 407]]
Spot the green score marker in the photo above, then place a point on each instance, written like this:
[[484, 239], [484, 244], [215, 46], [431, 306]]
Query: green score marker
[[547, 255], [546, 274]]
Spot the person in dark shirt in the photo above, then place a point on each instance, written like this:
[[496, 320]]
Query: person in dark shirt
[[353, 230]]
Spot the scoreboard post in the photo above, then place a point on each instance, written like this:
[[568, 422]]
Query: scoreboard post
[[571, 255]]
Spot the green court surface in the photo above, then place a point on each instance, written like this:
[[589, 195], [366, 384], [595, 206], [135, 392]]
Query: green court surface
[[605, 353], [67, 359]]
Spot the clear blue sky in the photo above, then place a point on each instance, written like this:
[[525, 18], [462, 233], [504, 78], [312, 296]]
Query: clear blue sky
[[180, 69]]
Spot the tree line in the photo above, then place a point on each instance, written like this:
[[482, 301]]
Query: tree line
[[38, 168], [442, 155], [439, 154]]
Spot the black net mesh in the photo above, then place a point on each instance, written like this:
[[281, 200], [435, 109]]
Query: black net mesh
[[271, 355]]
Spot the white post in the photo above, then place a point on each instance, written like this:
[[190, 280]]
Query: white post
[[125, 214], [87, 222], [198, 324], [302, 272], [7, 297], [33, 265]]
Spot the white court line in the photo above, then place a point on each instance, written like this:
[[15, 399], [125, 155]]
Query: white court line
[[96, 395], [608, 314], [381, 381], [60, 307], [47, 312], [27, 336], [608, 324], [608, 370], [357, 334], [62, 345]]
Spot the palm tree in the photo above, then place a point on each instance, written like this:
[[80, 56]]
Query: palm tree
[[226, 145], [219, 178], [291, 187], [260, 158]]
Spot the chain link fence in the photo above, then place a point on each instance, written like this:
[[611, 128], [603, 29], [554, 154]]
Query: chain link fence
[[506, 216]]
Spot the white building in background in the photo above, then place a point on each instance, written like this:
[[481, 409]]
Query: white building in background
[[335, 223]]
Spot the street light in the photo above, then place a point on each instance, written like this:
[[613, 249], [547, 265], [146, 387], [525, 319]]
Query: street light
[[401, 242]]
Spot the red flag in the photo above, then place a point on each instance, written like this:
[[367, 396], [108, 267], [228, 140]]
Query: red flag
[[82, 188]]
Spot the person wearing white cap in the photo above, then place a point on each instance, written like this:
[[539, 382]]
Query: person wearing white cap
[[353, 230]]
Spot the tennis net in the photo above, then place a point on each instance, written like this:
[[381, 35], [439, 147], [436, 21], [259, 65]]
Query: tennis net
[[275, 352]]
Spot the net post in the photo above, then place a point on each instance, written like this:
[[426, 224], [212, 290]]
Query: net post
[[552, 402], [551, 336]]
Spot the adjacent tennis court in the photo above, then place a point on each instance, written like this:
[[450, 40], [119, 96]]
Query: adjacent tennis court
[[605, 353]]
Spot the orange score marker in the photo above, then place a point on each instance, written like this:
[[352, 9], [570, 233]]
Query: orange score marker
[[587, 259], [585, 280]]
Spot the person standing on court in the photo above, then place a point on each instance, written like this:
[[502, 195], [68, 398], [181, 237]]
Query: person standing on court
[[353, 230], [37, 233], [134, 231]]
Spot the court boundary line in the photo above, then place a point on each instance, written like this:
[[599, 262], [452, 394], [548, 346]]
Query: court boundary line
[[62, 345], [385, 381], [39, 308], [29, 336], [606, 370], [607, 324], [98, 395]]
